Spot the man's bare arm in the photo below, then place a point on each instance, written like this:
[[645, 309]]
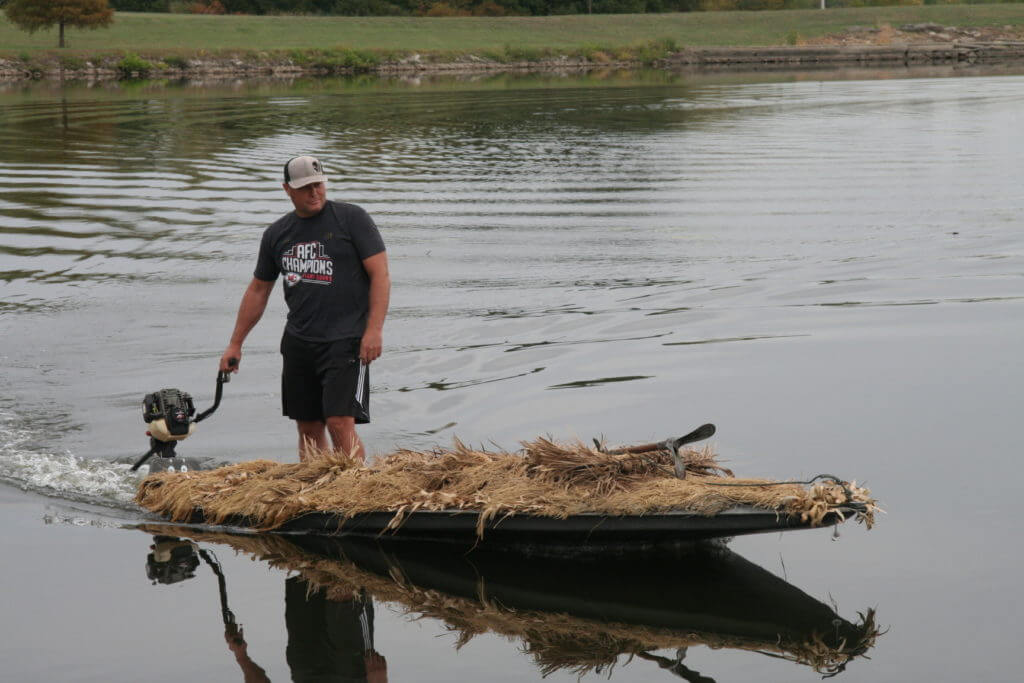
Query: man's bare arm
[[380, 295], [254, 302], [251, 671]]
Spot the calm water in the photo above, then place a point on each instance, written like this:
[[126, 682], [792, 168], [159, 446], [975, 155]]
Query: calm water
[[831, 271]]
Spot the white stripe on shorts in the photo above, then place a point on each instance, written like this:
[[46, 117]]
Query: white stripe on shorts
[[361, 383]]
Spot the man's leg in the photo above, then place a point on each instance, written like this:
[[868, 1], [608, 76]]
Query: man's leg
[[346, 397], [343, 435], [301, 394], [312, 438]]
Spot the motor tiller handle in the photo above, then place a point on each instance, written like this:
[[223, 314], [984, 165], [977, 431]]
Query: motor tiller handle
[[222, 378]]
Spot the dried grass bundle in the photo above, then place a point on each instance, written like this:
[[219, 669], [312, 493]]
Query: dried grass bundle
[[543, 479]]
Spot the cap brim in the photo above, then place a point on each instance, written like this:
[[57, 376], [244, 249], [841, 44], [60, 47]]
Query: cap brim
[[308, 180]]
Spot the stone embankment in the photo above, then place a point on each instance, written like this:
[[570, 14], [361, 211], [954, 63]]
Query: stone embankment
[[734, 58], [871, 46], [219, 69], [858, 46], [849, 55]]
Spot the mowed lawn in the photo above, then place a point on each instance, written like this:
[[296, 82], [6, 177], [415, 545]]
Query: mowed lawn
[[182, 33]]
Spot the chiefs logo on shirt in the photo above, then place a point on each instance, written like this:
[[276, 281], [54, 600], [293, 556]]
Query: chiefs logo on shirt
[[307, 262]]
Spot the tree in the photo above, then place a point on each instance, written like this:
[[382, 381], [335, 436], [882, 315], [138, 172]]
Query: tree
[[32, 15]]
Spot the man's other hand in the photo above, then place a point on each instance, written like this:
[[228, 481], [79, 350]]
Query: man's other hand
[[231, 359], [371, 346]]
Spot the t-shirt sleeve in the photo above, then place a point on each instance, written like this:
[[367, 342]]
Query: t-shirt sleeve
[[365, 235], [266, 264]]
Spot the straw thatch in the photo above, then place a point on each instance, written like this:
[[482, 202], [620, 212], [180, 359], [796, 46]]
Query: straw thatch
[[556, 640], [543, 479]]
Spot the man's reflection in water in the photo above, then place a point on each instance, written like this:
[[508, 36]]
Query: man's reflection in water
[[251, 671], [328, 640]]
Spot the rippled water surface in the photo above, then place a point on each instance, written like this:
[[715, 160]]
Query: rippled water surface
[[831, 271]]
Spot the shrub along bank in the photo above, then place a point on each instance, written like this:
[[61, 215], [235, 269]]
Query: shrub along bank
[[493, 8]]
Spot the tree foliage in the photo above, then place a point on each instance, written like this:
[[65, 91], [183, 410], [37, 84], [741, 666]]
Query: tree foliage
[[32, 15]]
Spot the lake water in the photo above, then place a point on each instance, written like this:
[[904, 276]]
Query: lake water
[[831, 269]]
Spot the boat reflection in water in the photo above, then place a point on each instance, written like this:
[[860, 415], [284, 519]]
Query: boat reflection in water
[[580, 614]]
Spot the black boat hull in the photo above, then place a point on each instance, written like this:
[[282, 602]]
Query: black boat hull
[[586, 529]]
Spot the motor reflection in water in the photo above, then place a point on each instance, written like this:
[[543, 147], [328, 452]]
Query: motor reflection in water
[[581, 614], [330, 633]]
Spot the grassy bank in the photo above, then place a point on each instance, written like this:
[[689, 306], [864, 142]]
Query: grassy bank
[[170, 34]]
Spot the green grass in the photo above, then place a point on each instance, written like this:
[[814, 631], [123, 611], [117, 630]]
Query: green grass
[[154, 34]]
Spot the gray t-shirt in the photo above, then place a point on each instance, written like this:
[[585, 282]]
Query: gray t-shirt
[[321, 260]]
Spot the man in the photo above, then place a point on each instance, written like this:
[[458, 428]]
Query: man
[[337, 286], [329, 639]]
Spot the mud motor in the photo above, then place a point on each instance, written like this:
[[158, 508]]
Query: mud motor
[[171, 417], [172, 560]]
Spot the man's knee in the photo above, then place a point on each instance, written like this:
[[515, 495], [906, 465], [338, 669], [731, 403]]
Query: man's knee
[[312, 436], [341, 424], [343, 434], [310, 428]]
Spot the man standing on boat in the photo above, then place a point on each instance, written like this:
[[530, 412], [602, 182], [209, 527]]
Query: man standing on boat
[[336, 285]]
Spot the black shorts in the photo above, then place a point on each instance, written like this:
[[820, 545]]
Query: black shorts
[[327, 640], [324, 379]]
